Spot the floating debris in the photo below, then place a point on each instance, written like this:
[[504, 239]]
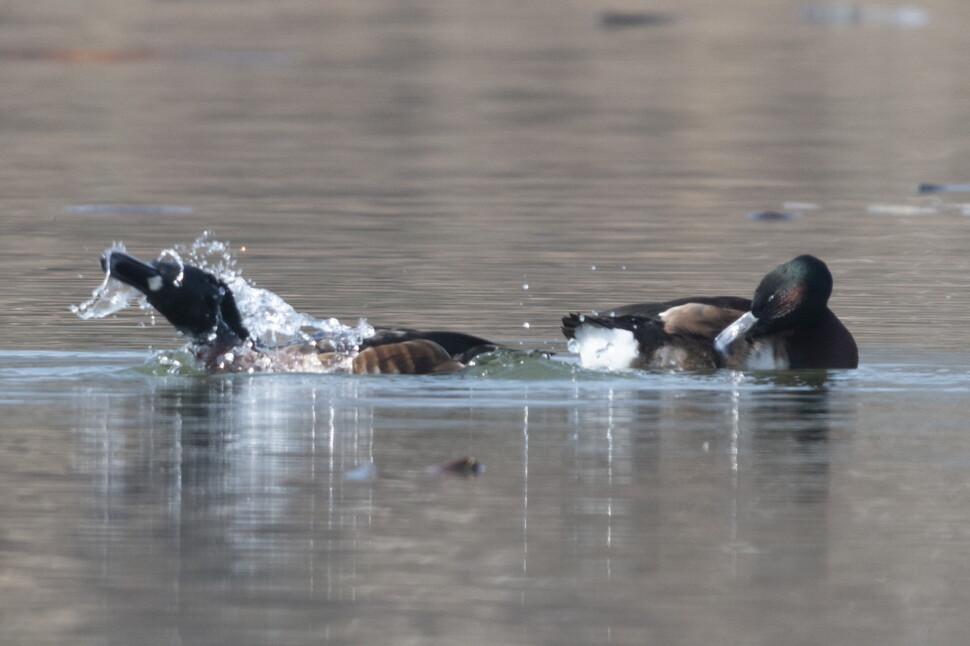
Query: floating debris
[[943, 188], [467, 466], [902, 209], [129, 209], [839, 13], [774, 215], [617, 19], [363, 473]]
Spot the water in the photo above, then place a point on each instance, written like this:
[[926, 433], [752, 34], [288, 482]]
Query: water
[[419, 163], [629, 509]]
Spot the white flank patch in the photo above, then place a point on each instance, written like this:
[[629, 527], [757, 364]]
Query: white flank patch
[[601, 348], [763, 357], [155, 283]]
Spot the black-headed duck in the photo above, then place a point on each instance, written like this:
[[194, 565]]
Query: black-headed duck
[[202, 307], [787, 325]]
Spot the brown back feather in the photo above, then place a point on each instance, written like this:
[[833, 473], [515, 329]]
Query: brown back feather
[[415, 357], [698, 319]]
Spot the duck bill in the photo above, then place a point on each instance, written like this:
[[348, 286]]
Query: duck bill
[[733, 332], [131, 271]]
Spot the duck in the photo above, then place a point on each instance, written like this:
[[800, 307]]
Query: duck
[[202, 307], [787, 325]]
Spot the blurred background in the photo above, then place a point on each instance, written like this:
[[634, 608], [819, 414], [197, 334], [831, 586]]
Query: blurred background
[[419, 162]]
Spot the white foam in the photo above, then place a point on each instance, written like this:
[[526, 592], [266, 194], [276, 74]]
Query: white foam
[[601, 348], [266, 315], [275, 322]]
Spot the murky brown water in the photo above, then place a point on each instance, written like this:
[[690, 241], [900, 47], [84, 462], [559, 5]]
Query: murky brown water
[[482, 166]]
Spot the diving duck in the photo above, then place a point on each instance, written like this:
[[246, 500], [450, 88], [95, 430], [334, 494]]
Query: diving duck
[[202, 308], [787, 325]]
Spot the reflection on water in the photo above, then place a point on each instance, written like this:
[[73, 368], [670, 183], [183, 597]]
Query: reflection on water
[[184, 507]]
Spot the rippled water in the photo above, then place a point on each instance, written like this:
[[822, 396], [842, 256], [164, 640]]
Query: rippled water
[[484, 167], [639, 508]]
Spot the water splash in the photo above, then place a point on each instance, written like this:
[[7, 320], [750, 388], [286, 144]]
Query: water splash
[[109, 297], [268, 317]]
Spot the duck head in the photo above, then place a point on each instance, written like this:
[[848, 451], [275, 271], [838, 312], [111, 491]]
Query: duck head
[[198, 304], [791, 295]]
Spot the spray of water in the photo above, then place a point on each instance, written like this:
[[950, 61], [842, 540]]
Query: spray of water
[[267, 316], [109, 297]]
